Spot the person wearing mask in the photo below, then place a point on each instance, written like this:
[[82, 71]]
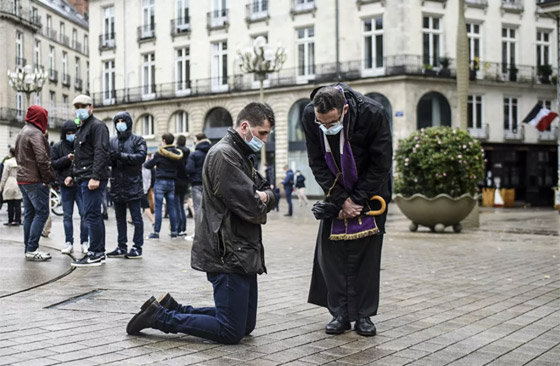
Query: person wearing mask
[[128, 153], [62, 155], [34, 174], [228, 242], [182, 186], [10, 190], [90, 174], [300, 189], [194, 170], [166, 161], [288, 183]]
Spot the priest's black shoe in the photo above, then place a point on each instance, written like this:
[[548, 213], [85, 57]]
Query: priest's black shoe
[[365, 327], [145, 318], [337, 326]]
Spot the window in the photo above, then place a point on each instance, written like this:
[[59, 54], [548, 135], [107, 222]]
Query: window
[[373, 44], [182, 22], [183, 70], [181, 122], [304, 4], [473, 32], [62, 30], [219, 66], [64, 105], [37, 55], [148, 18], [306, 52], [108, 82], [148, 75], [87, 75], [49, 26], [510, 115], [108, 37], [20, 62], [219, 13], [543, 48], [509, 50], [64, 66], [86, 44], [78, 69], [19, 106], [259, 8], [52, 104], [148, 126], [74, 38], [474, 112], [51, 59], [17, 7], [35, 15], [431, 40], [548, 105]]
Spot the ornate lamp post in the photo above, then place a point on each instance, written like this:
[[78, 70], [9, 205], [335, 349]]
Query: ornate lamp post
[[25, 80], [261, 61]]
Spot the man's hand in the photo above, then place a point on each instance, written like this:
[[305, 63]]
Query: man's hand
[[68, 182], [93, 184], [350, 209], [71, 157], [263, 196]]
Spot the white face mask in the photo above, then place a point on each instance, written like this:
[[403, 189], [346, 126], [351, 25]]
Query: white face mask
[[335, 129], [256, 143]]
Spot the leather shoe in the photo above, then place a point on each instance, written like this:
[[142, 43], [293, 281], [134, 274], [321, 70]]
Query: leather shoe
[[168, 302], [145, 318], [337, 326], [365, 327]]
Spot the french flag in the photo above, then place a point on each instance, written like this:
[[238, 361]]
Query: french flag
[[540, 117]]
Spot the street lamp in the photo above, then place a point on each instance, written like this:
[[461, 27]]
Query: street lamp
[[25, 80], [261, 61]]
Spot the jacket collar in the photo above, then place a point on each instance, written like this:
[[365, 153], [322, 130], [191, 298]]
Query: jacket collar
[[239, 144]]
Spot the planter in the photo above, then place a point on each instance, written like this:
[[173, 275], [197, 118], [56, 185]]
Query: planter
[[472, 74], [429, 72], [445, 72], [436, 213]]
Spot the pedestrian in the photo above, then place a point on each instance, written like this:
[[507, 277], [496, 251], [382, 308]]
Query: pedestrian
[[194, 170], [34, 173], [349, 146], [90, 173], [228, 242], [128, 153], [300, 188], [182, 186], [148, 178], [62, 156], [166, 160], [10, 190], [288, 184]]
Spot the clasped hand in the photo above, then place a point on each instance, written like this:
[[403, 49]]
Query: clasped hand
[[350, 210]]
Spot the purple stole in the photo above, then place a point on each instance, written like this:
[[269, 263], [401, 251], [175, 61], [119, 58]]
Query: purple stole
[[358, 227]]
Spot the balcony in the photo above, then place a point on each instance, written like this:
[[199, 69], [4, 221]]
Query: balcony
[[480, 4], [106, 41], [53, 75], [302, 7], [11, 115], [20, 62], [480, 133], [78, 84], [21, 15], [549, 136], [511, 135], [51, 34], [217, 19], [257, 11], [146, 32], [494, 71], [512, 6], [66, 80], [180, 26], [77, 46], [37, 67], [64, 40], [56, 122]]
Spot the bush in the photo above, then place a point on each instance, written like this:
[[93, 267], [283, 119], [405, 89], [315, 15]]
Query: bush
[[439, 160]]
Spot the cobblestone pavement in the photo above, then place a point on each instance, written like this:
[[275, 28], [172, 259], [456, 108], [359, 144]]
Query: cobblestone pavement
[[488, 296]]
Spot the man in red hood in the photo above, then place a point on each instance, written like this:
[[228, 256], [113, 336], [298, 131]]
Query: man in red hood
[[33, 175]]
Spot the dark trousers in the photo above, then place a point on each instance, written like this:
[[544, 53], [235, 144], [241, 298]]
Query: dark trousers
[[289, 190], [180, 193], [35, 213], [68, 196], [14, 211], [136, 213], [92, 211], [233, 317]]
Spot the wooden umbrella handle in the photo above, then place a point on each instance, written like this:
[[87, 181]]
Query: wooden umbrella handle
[[381, 210]]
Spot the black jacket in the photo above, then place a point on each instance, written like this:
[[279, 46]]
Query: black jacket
[[196, 161], [228, 235], [91, 149], [167, 162], [59, 154], [128, 153], [182, 181], [371, 142], [300, 180]]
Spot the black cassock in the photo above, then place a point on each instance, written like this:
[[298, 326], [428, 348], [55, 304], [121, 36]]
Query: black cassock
[[345, 276]]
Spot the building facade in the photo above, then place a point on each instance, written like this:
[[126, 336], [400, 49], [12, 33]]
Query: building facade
[[173, 65], [48, 35]]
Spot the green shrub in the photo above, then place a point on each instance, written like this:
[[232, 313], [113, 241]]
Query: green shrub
[[439, 160]]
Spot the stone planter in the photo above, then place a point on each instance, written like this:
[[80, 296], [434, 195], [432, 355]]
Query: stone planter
[[436, 213]]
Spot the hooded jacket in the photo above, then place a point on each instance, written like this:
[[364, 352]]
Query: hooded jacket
[[59, 153], [33, 150], [91, 148], [196, 161], [182, 181], [167, 161], [128, 153]]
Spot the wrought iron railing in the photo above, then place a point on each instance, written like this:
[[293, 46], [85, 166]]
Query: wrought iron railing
[[107, 41], [147, 31], [180, 26]]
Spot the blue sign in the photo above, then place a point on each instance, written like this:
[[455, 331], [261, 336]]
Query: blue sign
[[399, 114]]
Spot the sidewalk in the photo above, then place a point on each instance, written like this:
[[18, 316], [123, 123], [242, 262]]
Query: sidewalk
[[489, 296]]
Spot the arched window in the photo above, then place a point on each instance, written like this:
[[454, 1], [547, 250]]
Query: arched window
[[147, 123], [385, 103], [296, 136], [181, 120], [433, 110], [216, 123]]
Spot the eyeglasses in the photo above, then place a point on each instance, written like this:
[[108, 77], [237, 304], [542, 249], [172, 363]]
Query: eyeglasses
[[329, 124]]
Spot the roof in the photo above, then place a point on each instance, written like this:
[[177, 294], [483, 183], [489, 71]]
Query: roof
[[64, 9]]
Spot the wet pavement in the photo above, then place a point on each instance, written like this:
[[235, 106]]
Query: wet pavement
[[486, 296]]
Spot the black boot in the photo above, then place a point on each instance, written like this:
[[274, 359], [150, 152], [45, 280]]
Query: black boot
[[168, 302], [145, 318], [365, 327], [337, 326]]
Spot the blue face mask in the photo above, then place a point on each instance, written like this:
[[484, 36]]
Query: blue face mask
[[82, 114], [70, 138], [255, 144], [121, 126], [334, 130]]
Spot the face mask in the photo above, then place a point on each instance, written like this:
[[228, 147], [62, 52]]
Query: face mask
[[334, 130], [121, 126], [70, 138], [255, 144], [82, 114]]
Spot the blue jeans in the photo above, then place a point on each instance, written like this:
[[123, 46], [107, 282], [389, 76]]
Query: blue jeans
[[233, 317], [165, 188], [136, 213], [35, 213], [181, 214], [289, 190], [69, 195], [92, 213]]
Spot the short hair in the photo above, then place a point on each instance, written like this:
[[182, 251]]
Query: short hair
[[328, 98], [168, 138], [255, 114], [181, 140], [13, 151], [200, 136]]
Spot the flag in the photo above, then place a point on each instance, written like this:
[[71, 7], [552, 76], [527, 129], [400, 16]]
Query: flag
[[540, 117]]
